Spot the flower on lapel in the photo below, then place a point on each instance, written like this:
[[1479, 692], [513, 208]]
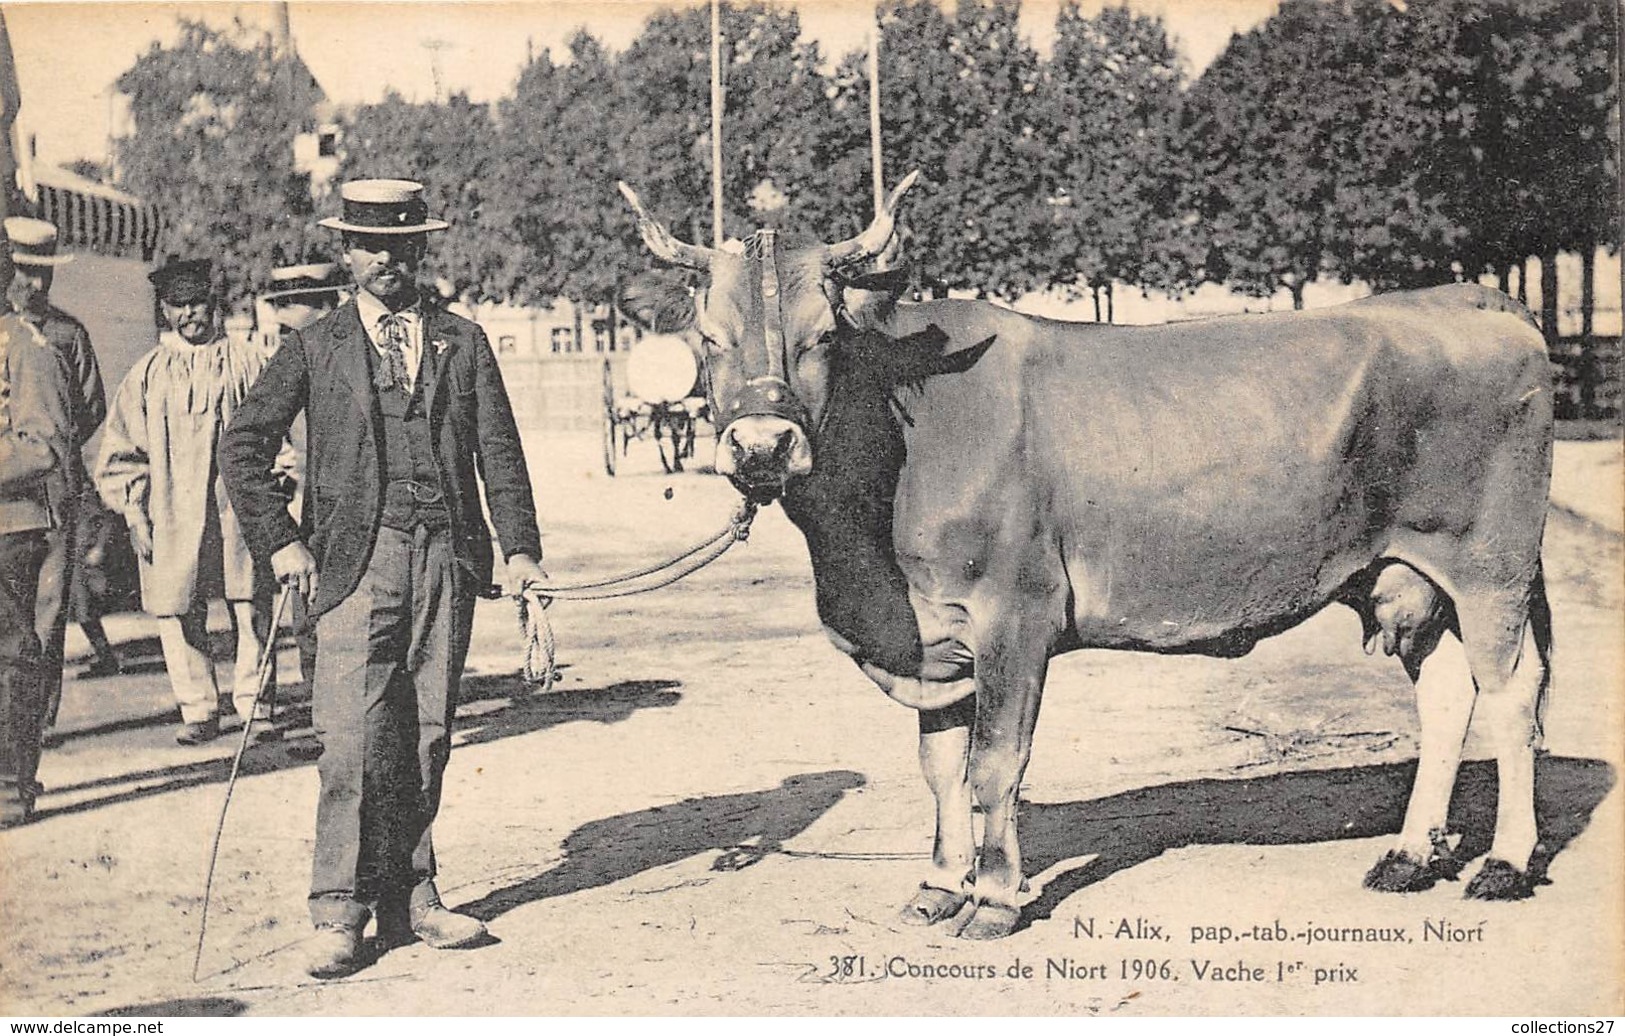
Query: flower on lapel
[[440, 345]]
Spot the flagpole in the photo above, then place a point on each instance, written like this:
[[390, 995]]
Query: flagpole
[[874, 114], [716, 123]]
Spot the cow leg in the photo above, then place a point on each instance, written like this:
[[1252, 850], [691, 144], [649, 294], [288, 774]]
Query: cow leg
[[944, 755], [1010, 669], [1507, 650], [1412, 618]]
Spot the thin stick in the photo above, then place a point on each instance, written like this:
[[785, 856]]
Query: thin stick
[[716, 123], [264, 677], [874, 116]]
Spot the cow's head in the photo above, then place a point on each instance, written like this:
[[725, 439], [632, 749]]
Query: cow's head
[[765, 327]]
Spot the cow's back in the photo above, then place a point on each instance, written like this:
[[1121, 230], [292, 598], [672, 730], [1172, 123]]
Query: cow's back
[[1207, 483]]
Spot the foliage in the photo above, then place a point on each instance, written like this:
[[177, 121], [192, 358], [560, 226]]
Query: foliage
[[1115, 172], [957, 98], [214, 119], [1398, 144]]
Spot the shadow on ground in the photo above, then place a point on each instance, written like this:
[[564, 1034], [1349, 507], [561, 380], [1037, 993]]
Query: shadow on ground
[[742, 828], [187, 1007], [492, 708], [1122, 831]]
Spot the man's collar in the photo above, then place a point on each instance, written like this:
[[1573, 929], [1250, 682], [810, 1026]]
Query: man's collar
[[373, 308]]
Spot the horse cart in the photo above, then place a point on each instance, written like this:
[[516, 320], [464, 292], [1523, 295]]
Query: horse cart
[[662, 400]]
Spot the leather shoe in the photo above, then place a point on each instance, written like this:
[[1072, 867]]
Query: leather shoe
[[334, 951], [445, 930], [198, 733], [15, 812]]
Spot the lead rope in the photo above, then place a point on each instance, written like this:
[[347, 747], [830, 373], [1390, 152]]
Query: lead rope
[[533, 601]]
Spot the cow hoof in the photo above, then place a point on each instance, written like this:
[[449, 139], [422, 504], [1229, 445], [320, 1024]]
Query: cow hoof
[[991, 921], [931, 905], [1498, 879], [1400, 872]]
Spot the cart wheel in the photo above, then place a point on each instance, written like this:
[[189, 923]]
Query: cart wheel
[[611, 421], [688, 437], [666, 422]]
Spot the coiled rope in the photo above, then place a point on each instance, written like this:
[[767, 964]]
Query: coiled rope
[[533, 601]]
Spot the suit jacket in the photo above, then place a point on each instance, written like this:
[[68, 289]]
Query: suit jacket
[[325, 371]]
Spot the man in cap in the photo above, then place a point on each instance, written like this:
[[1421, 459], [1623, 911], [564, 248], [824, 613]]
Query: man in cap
[[302, 294], [405, 406], [38, 442], [158, 468], [35, 258]]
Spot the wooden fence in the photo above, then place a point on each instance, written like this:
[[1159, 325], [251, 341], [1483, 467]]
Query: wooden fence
[[560, 393]]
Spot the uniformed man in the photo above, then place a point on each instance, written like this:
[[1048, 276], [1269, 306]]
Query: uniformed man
[[35, 258], [38, 475]]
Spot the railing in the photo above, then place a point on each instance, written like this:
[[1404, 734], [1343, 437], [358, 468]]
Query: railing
[[1588, 379], [561, 392]]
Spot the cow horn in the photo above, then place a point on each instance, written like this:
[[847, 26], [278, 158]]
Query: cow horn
[[660, 240], [873, 240]]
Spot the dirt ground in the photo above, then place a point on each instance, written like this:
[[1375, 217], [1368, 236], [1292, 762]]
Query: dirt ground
[[715, 813]]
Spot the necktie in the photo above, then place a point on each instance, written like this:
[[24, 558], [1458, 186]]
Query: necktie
[[392, 337]]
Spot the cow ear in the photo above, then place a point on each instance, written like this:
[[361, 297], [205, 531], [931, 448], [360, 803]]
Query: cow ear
[[658, 303]]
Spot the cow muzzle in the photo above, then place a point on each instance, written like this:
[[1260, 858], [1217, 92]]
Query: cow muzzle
[[760, 454]]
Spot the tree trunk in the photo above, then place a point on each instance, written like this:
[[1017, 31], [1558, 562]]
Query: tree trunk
[[614, 324], [1503, 279], [1297, 294], [1096, 289], [1523, 281], [1111, 304], [1590, 368], [1548, 295], [1588, 288], [575, 309]]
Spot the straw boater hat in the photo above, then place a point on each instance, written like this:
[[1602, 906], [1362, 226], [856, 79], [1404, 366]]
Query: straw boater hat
[[384, 207], [307, 281], [33, 242]]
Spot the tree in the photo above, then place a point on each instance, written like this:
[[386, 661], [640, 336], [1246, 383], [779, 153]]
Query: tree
[[1528, 146], [559, 163], [775, 107], [214, 117], [1304, 135], [958, 106], [1114, 169]]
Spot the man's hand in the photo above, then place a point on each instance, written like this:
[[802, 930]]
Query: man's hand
[[296, 566], [523, 572], [140, 535]]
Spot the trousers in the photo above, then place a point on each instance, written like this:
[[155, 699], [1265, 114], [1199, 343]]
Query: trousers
[[51, 607], [22, 690], [387, 673], [193, 677]]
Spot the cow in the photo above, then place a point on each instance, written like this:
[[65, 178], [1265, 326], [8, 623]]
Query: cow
[[981, 490]]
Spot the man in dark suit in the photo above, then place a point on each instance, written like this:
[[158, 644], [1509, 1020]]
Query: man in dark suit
[[404, 405], [35, 255]]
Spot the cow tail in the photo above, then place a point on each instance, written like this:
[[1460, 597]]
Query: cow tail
[[1540, 626]]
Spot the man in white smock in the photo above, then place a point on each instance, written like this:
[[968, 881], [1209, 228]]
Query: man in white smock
[[158, 469]]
